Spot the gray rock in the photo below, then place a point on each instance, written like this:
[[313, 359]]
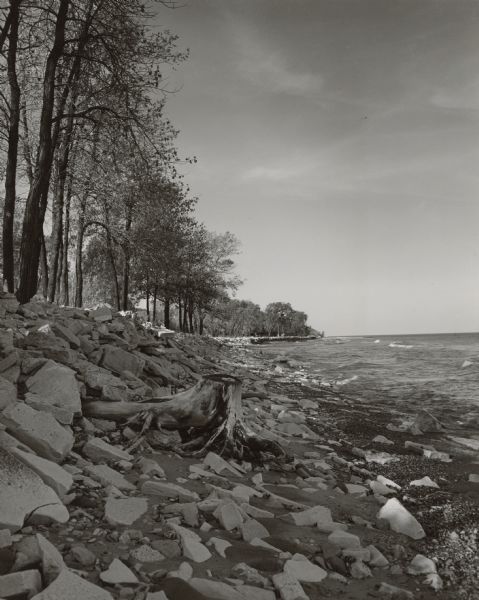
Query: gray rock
[[23, 493], [52, 474], [52, 561], [118, 574], [118, 360], [62, 415], [288, 587], [69, 586], [168, 490], [252, 529], [124, 511], [24, 584], [57, 385], [101, 314], [345, 540], [215, 589], [146, 554], [304, 571], [83, 556], [108, 476], [38, 430], [98, 451]]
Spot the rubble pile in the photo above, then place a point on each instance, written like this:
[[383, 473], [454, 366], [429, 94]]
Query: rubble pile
[[89, 510]]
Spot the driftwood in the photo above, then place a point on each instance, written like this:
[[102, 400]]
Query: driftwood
[[209, 416]]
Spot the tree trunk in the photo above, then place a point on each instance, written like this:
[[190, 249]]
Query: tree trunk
[[180, 315], [114, 272], [12, 154], [155, 298], [210, 416], [147, 298], [66, 244], [185, 316], [190, 316], [201, 323], [32, 222], [166, 313], [44, 266], [58, 202], [126, 255], [79, 255]]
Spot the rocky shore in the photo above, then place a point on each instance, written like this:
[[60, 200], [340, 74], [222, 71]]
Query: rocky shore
[[365, 504]]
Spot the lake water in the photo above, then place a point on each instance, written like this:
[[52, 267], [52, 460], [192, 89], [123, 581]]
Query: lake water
[[433, 371]]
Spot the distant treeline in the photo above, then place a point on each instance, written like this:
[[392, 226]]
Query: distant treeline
[[245, 318]]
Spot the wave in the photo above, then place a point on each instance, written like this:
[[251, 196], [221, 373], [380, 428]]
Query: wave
[[396, 345], [346, 381]]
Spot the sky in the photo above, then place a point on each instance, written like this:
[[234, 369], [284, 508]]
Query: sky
[[339, 141]]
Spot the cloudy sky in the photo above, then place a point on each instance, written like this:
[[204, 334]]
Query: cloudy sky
[[339, 140]]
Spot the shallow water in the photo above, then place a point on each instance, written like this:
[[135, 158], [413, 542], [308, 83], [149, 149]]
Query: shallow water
[[441, 370]]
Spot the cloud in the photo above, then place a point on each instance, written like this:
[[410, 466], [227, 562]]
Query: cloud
[[462, 98], [266, 173]]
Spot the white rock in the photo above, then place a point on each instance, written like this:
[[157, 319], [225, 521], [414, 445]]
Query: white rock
[[184, 571], [377, 558], [98, 451], [22, 493], [52, 474], [228, 515], [124, 511], [191, 544], [312, 516], [23, 584], [52, 561], [288, 587], [57, 385], [108, 476], [359, 570], [168, 490], [69, 586], [401, 520], [118, 573], [421, 565], [251, 529], [424, 482], [304, 571], [219, 465], [388, 482], [38, 430], [433, 580], [346, 540]]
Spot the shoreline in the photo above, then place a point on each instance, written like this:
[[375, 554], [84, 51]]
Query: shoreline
[[449, 515]]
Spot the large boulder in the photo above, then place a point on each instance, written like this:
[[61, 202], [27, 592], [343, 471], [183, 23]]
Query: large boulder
[[57, 385], [401, 520], [23, 493], [8, 303], [107, 385], [52, 474], [38, 430], [69, 586], [118, 360]]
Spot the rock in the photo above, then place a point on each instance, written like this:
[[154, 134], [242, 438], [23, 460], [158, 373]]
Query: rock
[[69, 586], [8, 393], [304, 571], [66, 334], [249, 575], [118, 574], [255, 512], [23, 584], [215, 589], [23, 493], [101, 314], [251, 529], [359, 570], [311, 516], [228, 515], [83, 556], [473, 478], [425, 482], [52, 474], [401, 520], [288, 587], [146, 554], [57, 385], [110, 387], [249, 592], [108, 476], [148, 466], [184, 571], [8, 303], [426, 423], [219, 465], [345, 540], [169, 548], [124, 511], [219, 545], [62, 415], [168, 490], [377, 559], [421, 565], [394, 593], [156, 596], [433, 580], [388, 482], [5, 538], [38, 430], [52, 561], [191, 544], [118, 360], [98, 451], [380, 439]]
